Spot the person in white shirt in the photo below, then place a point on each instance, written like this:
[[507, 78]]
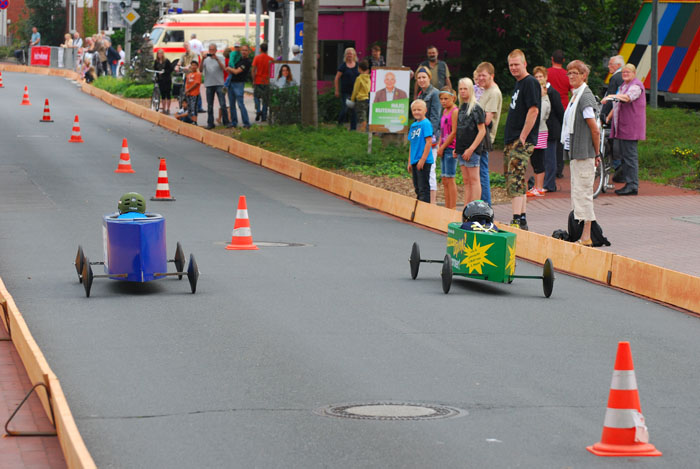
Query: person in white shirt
[[196, 45]]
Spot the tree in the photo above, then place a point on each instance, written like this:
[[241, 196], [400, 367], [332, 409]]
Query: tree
[[309, 65], [398, 11], [150, 13], [49, 17], [221, 6]]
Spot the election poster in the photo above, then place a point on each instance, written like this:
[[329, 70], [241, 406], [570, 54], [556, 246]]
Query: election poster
[[388, 100]]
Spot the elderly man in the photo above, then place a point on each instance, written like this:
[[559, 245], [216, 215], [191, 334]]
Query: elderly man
[[615, 65], [213, 68], [389, 92]]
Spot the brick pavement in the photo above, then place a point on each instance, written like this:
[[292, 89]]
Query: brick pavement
[[28, 451], [643, 227]]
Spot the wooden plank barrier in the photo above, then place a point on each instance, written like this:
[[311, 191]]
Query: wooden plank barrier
[[170, 123], [280, 164], [215, 140], [192, 131], [384, 200], [74, 450], [328, 181], [434, 216]]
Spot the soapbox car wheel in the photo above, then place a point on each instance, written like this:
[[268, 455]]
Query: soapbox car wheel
[[547, 278], [79, 262], [446, 274], [179, 260], [87, 276], [193, 273], [414, 260]]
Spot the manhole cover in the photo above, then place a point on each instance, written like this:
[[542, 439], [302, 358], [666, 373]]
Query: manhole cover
[[390, 411]]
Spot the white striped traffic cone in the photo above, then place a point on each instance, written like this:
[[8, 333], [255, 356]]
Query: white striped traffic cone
[[124, 160], [25, 97], [47, 114], [1, 85], [624, 430], [163, 187], [242, 237], [75, 135]]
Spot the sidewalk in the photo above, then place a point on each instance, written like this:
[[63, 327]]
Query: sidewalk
[[23, 451], [660, 226]]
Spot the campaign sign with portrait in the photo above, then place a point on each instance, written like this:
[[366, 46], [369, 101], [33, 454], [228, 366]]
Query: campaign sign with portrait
[[293, 70], [388, 99]]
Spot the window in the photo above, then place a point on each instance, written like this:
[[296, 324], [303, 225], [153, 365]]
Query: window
[[174, 36], [332, 55]]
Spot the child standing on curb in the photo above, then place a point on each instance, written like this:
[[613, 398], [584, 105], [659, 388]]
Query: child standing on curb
[[360, 94], [192, 84], [420, 158], [448, 131]]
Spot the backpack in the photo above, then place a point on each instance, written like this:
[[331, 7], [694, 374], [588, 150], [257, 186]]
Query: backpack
[[576, 229]]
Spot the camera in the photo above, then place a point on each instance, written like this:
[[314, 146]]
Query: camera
[[210, 55]]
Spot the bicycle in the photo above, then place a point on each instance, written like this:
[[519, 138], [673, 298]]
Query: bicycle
[[155, 97], [604, 171], [179, 85]]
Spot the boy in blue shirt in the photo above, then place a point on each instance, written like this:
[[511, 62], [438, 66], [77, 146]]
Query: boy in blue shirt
[[420, 157]]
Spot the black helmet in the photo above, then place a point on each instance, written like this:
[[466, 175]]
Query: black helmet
[[478, 210], [132, 202]]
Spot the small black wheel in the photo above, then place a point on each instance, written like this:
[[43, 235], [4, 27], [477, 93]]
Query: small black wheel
[[79, 262], [87, 276], [179, 260], [193, 273], [548, 278], [446, 274], [414, 260]]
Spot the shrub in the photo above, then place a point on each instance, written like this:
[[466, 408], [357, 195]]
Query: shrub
[[138, 91], [285, 105]]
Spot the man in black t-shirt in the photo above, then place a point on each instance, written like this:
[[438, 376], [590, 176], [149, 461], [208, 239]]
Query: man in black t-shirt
[[239, 74], [521, 130]]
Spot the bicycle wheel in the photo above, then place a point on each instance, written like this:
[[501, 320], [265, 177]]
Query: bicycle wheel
[[599, 180], [155, 99]]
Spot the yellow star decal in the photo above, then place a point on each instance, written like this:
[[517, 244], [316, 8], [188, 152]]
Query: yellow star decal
[[510, 266], [475, 256]]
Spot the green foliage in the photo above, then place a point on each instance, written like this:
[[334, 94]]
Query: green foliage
[[49, 17], [220, 6], [138, 91], [117, 37], [590, 30], [328, 106], [89, 21], [21, 29], [6, 51], [149, 15], [671, 152], [112, 84], [285, 105]]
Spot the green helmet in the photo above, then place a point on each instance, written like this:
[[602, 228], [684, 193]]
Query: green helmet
[[132, 202]]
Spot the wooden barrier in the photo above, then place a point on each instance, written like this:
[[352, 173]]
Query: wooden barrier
[[192, 131], [120, 103], [170, 123], [327, 181], [245, 151], [384, 200], [151, 116], [133, 108], [434, 216], [280, 164], [215, 140], [569, 257], [74, 450]]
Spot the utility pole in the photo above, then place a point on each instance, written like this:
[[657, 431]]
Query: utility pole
[[285, 31], [258, 9], [654, 93], [247, 20]]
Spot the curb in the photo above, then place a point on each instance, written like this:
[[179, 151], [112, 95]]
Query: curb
[[74, 450]]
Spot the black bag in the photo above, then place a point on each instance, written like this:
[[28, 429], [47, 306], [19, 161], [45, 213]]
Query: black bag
[[576, 229]]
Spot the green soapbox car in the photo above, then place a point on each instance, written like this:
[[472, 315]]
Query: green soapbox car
[[480, 255]]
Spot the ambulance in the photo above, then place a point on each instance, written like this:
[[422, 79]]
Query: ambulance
[[224, 29]]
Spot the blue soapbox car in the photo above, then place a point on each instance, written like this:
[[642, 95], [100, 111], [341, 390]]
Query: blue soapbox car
[[134, 251]]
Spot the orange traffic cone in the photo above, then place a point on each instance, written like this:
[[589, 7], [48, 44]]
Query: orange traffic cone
[[242, 238], [163, 187], [124, 160], [25, 98], [75, 135], [47, 113], [624, 431], [1, 85]]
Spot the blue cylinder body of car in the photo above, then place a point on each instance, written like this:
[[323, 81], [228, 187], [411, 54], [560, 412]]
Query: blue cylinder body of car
[[135, 247]]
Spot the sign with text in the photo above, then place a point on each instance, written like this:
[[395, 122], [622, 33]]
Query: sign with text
[[388, 100], [41, 55]]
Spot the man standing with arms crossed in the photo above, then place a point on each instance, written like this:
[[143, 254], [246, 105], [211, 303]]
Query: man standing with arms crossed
[[521, 129], [491, 100]]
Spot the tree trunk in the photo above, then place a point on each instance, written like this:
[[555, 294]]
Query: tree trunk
[[398, 11], [309, 65]]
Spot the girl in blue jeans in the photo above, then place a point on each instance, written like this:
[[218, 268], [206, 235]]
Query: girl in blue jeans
[[448, 131], [471, 129]]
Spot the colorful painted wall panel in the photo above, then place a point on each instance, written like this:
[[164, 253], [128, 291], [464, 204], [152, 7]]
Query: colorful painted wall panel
[[679, 43]]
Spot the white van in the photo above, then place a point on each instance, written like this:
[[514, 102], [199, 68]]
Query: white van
[[225, 29]]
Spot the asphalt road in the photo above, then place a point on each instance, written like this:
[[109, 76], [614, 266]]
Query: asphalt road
[[234, 375]]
